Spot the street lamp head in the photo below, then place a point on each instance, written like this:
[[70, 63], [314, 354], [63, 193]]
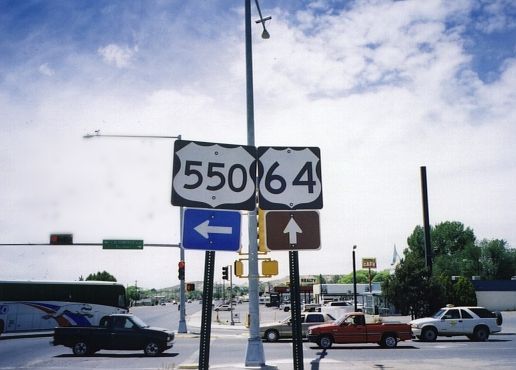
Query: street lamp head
[[89, 136], [265, 34], [354, 247]]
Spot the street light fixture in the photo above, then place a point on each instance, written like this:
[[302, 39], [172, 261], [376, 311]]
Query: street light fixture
[[265, 33], [182, 296]]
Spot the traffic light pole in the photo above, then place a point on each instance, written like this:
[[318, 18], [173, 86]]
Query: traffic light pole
[[182, 312], [231, 293], [182, 309]]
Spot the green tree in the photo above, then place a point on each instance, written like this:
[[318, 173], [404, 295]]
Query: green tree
[[497, 261], [132, 293], [451, 237], [101, 276], [362, 277], [381, 276], [411, 288], [464, 293]]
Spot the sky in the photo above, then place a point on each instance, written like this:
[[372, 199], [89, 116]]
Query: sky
[[381, 87]]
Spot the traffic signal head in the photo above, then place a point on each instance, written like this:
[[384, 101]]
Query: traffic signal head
[[61, 239], [270, 268], [225, 274], [238, 267], [190, 287], [181, 270]]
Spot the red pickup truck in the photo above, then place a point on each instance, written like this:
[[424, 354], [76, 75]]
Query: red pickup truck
[[352, 328]]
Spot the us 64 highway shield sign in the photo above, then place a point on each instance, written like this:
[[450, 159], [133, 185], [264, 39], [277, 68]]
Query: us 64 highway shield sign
[[210, 175], [289, 178]]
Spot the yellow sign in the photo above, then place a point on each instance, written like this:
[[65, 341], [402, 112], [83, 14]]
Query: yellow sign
[[368, 263]]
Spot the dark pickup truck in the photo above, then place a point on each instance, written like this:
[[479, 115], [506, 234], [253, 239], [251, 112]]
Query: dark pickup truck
[[115, 332]]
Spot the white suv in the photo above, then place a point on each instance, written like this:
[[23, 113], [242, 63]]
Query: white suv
[[477, 323]]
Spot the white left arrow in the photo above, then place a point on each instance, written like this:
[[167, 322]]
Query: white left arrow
[[204, 229], [292, 229]]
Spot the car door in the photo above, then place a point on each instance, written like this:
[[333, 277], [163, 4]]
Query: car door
[[451, 322], [352, 330], [312, 319], [125, 334], [468, 322]]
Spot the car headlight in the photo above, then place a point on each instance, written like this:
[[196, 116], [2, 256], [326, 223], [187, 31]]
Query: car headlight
[[417, 326]]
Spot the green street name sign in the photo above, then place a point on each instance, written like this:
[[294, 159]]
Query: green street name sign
[[122, 244]]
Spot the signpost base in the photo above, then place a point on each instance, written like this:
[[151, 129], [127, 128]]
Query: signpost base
[[207, 297], [295, 298]]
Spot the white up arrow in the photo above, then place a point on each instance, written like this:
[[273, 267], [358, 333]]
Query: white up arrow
[[292, 229], [204, 229]]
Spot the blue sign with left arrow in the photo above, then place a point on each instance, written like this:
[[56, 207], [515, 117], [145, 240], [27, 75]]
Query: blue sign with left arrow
[[211, 230]]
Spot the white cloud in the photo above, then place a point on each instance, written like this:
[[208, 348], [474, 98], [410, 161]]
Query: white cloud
[[119, 56], [44, 69], [382, 88]]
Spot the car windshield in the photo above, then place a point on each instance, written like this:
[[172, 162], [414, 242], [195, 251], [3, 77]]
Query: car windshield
[[438, 314], [341, 319], [139, 322]]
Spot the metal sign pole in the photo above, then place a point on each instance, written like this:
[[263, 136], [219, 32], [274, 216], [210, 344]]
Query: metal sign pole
[[295, 297], [254, 355], [207, 297]]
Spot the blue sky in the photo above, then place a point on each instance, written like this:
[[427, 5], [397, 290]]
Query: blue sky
[[382, 87]]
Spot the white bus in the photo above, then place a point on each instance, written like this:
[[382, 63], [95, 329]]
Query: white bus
[[43, 305]]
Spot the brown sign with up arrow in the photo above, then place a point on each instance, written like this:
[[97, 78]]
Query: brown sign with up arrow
[[292, 230]]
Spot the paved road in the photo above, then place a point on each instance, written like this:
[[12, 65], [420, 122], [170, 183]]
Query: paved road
[[229, 345]]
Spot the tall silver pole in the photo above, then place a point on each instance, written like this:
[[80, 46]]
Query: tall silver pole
[[254, 355], [182, 299], [182, 310]]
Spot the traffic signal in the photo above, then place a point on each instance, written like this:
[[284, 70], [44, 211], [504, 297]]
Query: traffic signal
[[181, 270], [270, 268], [238, 267], [61, 239], [190, 287], [225, 274]]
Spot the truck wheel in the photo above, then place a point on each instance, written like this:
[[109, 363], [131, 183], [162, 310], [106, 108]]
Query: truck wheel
[[429, 334], [152, 349], [325, 342], [389, 341], [81, 348], [481, 334], [271, 335]]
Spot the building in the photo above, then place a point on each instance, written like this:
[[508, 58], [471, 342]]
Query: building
[[496, 295]]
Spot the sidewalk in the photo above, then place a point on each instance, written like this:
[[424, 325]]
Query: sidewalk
[[194, 321]]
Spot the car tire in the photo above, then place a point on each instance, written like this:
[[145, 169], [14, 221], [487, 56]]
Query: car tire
[[325, 342], [271, 335], [389, 341], [481, 334], [1, 327], [429, 334], [286, 309], [81, 348], [152, 349]]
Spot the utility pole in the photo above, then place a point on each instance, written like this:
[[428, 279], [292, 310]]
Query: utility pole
[[426, 221]]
